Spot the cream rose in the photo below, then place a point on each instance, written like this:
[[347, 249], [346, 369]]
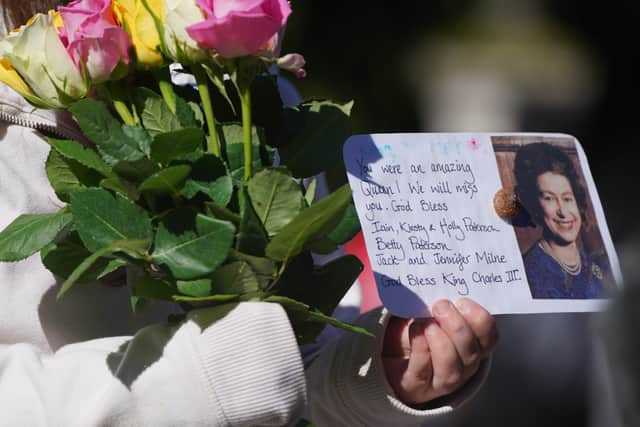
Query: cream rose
[[179, 14], [37, 54]]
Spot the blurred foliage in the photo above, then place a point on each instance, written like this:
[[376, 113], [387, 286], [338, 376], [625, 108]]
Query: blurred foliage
[[609, 131], [355, 51], [360, 52]]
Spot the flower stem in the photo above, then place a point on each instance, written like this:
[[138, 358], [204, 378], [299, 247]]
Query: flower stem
[[213, 146], [166, 89], [115, 93], [245, 99], [123, 111]]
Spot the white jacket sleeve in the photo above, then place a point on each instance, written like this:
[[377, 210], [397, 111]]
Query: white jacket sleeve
[[233, 365], [347, 385]]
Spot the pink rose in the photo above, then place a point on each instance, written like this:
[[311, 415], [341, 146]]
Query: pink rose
[[239, 27], [93, 38]]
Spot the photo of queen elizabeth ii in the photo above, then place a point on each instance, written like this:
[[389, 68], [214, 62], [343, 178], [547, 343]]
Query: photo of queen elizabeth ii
[[562, 249]]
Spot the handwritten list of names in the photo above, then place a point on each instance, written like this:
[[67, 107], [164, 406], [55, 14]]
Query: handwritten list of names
[[426, 211]]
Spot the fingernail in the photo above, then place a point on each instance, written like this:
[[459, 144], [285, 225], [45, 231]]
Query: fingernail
[[462, 305], [441, 308], [431, 328]]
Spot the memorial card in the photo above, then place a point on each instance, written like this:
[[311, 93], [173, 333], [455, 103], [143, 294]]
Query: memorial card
[[512, 221]]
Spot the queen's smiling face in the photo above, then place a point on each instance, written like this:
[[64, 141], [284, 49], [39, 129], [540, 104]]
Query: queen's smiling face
[[559, 208]]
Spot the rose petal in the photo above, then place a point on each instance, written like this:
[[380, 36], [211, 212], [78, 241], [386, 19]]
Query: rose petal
[[237, 34], [239, 27], [94, 38]]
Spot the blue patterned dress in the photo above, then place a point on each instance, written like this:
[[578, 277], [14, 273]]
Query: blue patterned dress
[[547, 279]]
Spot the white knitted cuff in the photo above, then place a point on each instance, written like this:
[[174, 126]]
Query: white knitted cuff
[[251, 363]]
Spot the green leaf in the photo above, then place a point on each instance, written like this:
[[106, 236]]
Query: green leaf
[[325, 287], [298, 270], [112, 265], [168, 180], [156, 115], [322, 245], [252, 237], [85, 156], [62, 258], [327, 284], [264, 268], [232, 140], [135, 301], [132, 248], [235, 278], [153, 288], [188, 113], [81, 269], [311, 224], [105, 131], [310, 195], [67, 176], [176, 144], [289, 304], [316, 316], [192, 245], [198, 114], [102, 219], [195, 288], [222, 213], [38, 102], [209, 176], [303, 313], [136, 171], [276, 198], [141, 136], [121, 186], [347, 228], [210, 298], [314, 130], [268, 155], [216, 76], [298, 313], [27, 234]]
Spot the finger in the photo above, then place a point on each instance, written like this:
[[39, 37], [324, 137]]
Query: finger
[[446, 364], [396, 337], [395, 369], [414, 386], [420, 359], [481, 322], [459, 332]]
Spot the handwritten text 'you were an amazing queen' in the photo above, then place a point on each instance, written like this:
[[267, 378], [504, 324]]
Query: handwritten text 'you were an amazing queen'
[[434, 242]]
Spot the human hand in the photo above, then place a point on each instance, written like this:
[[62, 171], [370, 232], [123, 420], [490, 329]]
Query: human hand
[[428, 358]]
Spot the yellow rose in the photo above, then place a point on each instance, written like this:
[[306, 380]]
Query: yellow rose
[[56, 19], [10, 77], [138, 22], [37, 54]]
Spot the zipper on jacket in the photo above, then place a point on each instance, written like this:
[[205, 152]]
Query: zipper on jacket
[[34, 124]]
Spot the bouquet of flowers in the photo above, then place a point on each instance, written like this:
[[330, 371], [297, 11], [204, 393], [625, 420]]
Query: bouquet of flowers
[[178, 185]]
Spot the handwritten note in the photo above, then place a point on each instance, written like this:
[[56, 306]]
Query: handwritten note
[[425, 202]]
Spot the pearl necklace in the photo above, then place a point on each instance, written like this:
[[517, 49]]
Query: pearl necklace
[[573, 270]]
